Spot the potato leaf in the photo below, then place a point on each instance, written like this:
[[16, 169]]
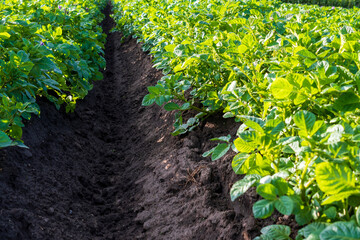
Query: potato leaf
[[5, 141], [267, 191], [279, 232], [334, 178], [263, 208], [341, 230], [241, 186], [284, 205], [304, 120], [281, 88]]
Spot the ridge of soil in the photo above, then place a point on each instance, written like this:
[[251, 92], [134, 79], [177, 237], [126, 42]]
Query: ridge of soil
[[111, 169]]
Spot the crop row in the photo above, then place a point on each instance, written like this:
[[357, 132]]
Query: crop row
[[290, 74], [49, 49], [339, 3]]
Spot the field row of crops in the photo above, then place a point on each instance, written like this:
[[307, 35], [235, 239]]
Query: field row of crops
[[290, 74], [340, 3], [49, 49]]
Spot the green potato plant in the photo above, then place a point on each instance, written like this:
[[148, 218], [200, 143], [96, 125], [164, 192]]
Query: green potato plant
[[339, 3], [289, 74], [48, 48]]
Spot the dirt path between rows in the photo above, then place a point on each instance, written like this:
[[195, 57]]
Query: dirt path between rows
[[111, 169]]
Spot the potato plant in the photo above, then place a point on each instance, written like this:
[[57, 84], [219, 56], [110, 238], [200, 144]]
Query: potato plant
[[339, 3], [290, 74], [47, 48]]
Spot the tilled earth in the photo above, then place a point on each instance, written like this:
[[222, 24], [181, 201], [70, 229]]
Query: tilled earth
[[111, 169]]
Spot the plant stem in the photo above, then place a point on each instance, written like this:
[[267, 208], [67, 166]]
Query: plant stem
[[346, 209], [199, 109], [310, 182], [302, 180]]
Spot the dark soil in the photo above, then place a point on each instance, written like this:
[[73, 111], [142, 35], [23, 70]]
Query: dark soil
[[111, 169]]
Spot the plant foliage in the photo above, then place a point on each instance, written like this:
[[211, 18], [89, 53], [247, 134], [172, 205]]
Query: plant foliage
[[49, 49], [290, 74]]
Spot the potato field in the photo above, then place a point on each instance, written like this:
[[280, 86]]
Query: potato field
[[180, 119]]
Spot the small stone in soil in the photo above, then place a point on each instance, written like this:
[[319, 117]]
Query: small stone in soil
[[27, 154], [51, 211]]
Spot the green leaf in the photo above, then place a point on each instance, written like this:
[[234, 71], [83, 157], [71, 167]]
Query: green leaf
[[284, 205], [306, 54], [274, 126], [338, 148], [5, 141], [228, 115], [334, 178], [148, 100], [242, 49], [170, 48], [281, 88], [171, 106], [288, 140], [254, 126], [4, 35], [15, 132], [220, 150], [179, 50], [304, 216], [340, 196], [317, 126], [43, 64], [357, 214], [278, 232], [19, 144], [296, 79], [52, 83], [263, 208], [300, 98], [160, 100], [222, 138], [208, 153], [153, 90], [341, 231], [348, 101], [249, 41], [281, 185], [297, 203], [313, 230], [267, 191], [26, 66], [331, 212], [58, 31], [356, 138], [305, 120], [241, 186], [185, 106], [346, 30], [187, 62], [254, 119], [243, 146], [241, 162], [354, 200]]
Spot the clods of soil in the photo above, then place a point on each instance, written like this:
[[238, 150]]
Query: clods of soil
[[111, 169]]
